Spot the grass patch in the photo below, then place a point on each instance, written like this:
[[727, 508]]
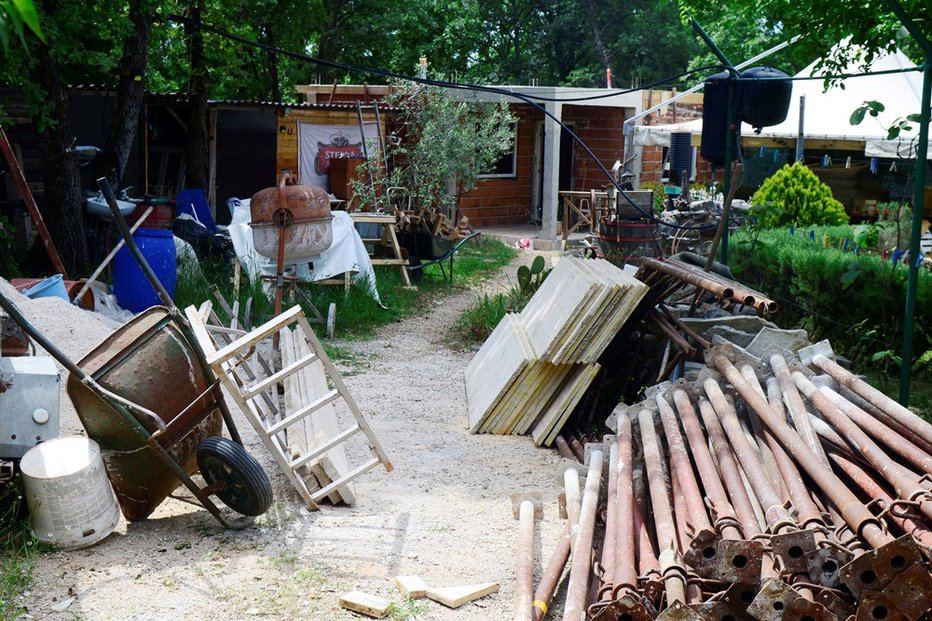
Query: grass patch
[[407, 609], [18, 549], [358, 315]]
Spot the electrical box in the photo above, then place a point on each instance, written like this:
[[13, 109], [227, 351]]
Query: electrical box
[[29, 403]]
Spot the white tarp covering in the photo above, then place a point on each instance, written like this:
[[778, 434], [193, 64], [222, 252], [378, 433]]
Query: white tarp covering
[[827, 112], [347, 253], [318, 144]]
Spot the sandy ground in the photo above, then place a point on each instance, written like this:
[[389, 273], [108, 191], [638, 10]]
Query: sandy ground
[[443, 514]]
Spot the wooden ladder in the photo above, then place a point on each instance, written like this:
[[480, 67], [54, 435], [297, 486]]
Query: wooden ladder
[[273, 428]]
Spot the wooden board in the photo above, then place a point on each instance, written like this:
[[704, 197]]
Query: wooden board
[[323, 425], [563, 403], [411, 586], [454, 597], [363, 603]]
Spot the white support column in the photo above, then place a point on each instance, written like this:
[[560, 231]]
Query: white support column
[[551, 172]]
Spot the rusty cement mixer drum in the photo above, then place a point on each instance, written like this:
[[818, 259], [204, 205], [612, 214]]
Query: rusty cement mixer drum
[[300, 212]]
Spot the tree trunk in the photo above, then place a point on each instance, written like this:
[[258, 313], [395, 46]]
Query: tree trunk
[[604, 56], [63, 201], [130, 94], [196, 164], [271, 59]]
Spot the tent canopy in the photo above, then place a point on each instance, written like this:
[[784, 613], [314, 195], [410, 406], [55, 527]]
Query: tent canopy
[[827, 112]]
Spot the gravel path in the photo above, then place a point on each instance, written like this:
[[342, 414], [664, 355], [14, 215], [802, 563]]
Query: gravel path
[[443, 514]]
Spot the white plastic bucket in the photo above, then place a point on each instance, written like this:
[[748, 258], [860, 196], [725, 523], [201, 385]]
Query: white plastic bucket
[[71, 503]]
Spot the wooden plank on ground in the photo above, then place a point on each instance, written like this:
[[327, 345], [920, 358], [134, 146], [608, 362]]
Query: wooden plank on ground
[[411, 586], [454, 597], [363, 603]]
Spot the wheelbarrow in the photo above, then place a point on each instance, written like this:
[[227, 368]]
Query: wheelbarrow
[[425, 249], [148, 397]]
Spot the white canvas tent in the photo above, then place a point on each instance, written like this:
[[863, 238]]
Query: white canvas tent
[[826, 113]]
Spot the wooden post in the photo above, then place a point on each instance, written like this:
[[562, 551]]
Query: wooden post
[[20, 179], [212, 163]]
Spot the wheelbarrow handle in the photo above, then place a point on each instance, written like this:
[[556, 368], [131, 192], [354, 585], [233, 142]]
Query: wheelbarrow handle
[[109, 196]]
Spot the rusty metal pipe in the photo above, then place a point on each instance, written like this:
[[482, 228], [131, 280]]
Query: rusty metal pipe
[[681, 467], [872, 395], [575, 609], [648, 564], [551, 576], [524, 572], [879, 431], [722, 511], [777, 516], [671, 333], [564, 449], [874, 490], [807, 512], [572, 495], [624, 573], [907, 486], [607, 559], [701, 281], [731, 475], [689, 332], [671, 569], [856, 515], [550, 579], [886, 419], [796, 408]]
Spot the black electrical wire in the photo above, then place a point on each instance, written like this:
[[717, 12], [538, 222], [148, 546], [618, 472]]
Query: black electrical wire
[[469, 87]]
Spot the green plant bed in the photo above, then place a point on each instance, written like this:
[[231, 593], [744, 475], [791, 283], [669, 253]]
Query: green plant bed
[[856, 301], [358, 315], [18, 550]]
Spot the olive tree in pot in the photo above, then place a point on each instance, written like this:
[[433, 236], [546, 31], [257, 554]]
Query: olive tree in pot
[[437, 146]]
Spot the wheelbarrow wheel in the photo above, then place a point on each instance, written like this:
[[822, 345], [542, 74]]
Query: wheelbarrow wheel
[[415, 271], [248, 490]]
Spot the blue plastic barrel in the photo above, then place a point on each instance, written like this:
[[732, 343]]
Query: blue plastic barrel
[[130, 285]]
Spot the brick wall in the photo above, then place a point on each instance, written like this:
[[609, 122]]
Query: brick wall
[[686, 109]]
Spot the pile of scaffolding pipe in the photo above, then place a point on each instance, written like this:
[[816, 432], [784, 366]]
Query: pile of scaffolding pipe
[[765, 490]]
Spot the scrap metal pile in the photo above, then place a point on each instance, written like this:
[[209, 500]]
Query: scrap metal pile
[[780, 489]]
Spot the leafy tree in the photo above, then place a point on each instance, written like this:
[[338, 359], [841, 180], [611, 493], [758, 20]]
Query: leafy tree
[[14, 14], [864, 28]]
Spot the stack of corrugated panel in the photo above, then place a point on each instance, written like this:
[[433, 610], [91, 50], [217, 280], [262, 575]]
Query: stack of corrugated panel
[[535, 367]]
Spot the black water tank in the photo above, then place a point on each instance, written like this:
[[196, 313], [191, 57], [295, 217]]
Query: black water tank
[[680, 156], [764, 101], [714, 118]]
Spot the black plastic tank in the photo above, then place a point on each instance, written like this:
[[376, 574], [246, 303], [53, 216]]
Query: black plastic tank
[[714, 118], [764, 101]]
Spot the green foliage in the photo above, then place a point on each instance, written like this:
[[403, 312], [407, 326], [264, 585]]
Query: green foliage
[[442, 146], [531, 278], [14, 15], [18, 549], [800, 198], [659, 197], [478, 321], [855, 301]]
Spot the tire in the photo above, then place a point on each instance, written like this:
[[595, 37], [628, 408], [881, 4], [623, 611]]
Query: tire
[[222, 460]]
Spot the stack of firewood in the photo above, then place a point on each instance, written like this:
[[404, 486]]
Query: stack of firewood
[[432, 222]]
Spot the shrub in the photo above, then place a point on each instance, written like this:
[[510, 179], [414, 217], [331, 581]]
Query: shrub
[[794, 195], [856, 301]]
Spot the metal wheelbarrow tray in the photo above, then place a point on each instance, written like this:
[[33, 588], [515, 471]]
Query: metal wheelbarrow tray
[[148, 397]]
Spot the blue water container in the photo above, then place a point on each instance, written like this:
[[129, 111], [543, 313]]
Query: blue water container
[[130, 285]]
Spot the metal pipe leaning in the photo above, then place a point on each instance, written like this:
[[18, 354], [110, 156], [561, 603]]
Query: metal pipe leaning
[[575, 609], [855, 514]]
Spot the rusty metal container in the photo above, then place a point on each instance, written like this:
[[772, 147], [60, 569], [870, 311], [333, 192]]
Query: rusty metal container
[[303, 210], [149, 362]]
